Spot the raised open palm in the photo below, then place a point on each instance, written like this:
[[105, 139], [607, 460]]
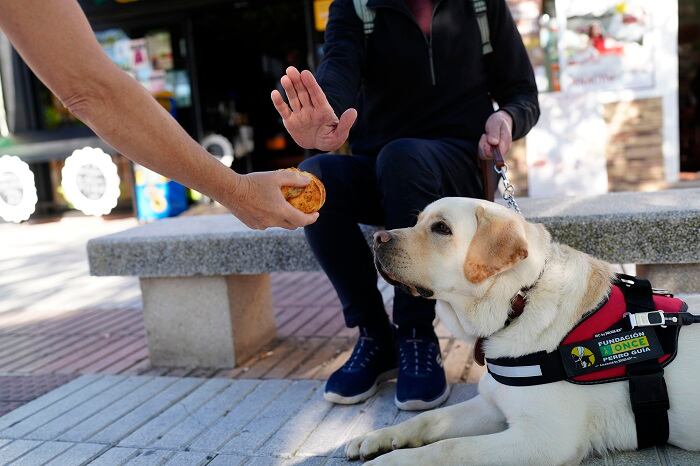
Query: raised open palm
[[309, 118]]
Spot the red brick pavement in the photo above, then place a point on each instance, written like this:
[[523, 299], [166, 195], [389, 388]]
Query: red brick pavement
[[312, 342]]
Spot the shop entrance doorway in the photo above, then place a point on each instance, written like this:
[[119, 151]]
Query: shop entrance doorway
[[689, 85]]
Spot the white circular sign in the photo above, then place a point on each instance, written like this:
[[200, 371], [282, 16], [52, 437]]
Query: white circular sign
[[220, 147], [90, 181], [17, 190]]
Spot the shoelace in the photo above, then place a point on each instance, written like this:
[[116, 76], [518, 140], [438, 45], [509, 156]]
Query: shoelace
[[417, 355], [365, 349]]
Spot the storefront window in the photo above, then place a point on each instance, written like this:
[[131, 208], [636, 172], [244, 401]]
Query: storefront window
[[149, 59]]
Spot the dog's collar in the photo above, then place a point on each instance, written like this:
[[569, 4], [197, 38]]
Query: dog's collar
[[517, 307], [519, 301]]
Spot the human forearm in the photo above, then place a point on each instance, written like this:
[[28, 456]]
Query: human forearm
[[123, 114], [56, 41]]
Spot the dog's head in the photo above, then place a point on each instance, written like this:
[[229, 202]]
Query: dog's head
[[458, 246]]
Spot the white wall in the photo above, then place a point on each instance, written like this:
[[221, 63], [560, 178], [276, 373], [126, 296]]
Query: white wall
[[549, 146]]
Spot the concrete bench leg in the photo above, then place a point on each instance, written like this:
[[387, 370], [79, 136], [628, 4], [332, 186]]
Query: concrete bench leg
[[207, 321], [676, 278]]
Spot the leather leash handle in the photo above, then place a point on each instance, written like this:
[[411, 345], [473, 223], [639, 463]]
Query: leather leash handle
[[497, 157], [488, 177]]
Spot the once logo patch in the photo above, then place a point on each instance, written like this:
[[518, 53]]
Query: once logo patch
[[611, 349], [624, 346]]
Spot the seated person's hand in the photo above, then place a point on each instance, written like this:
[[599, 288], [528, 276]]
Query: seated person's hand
[[308, 117], [499, 132], [257, 200]]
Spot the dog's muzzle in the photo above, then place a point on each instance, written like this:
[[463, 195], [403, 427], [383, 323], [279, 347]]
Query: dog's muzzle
[[383, 247]]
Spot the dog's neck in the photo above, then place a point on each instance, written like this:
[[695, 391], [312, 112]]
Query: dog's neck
[[571, 284]]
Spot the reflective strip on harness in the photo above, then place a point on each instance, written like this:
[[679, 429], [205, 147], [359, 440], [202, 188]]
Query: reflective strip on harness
[[515, 371]]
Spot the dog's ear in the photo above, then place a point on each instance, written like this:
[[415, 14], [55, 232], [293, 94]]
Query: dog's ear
[[498, 244]]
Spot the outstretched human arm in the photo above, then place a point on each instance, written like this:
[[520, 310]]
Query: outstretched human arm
[[56, 41]]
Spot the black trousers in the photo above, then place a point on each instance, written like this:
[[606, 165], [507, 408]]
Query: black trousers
[[390, 190]]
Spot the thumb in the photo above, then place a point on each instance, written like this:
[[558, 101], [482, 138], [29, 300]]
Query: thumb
[[347, 119], [292, 178], [493, 133]]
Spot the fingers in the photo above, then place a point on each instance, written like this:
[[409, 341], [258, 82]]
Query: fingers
[[485, 147], [299, 86], [297, 218], [280, 105], [493, 130], [291, 93], [505, 139], [316, 94], [347, 119], [292, 178]]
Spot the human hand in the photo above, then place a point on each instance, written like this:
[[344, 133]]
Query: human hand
[[499, 132], [257, 200], [311, 121]]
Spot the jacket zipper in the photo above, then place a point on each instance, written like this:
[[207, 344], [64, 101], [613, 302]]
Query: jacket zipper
[[428, 40]]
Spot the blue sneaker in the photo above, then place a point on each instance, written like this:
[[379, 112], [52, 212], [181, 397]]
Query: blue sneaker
[[421, 383], [372, 362]]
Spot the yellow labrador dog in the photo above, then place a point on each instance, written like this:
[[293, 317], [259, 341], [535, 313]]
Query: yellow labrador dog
[[473, 257]]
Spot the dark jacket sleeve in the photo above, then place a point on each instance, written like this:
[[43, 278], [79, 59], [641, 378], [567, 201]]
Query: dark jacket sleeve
[[340, 71], [511, 79]]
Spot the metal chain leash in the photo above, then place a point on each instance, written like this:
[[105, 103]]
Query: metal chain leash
[[501, 169]]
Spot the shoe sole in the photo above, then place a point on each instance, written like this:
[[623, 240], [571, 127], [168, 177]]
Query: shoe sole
[[420, 405], [351, 400]]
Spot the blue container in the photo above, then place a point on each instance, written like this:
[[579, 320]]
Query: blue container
[[156, 196]]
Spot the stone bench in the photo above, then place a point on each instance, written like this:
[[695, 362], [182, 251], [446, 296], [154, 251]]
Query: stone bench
[[206, 288]]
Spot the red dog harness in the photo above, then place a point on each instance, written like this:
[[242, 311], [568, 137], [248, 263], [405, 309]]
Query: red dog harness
[[631, 336]]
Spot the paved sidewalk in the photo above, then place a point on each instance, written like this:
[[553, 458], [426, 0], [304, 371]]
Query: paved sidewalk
[[45, 271], [137, 420]]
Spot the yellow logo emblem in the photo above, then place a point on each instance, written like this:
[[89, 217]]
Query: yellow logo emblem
[[582, 356]]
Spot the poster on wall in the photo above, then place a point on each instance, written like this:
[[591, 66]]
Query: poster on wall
[[562, 157], [17, 190], [606, 45]]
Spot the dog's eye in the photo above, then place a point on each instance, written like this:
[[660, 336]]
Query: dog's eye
[[440, 228]]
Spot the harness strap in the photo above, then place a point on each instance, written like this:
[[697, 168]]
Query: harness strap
[[532, 369], [648, 394], [638, 293], [650, 403]]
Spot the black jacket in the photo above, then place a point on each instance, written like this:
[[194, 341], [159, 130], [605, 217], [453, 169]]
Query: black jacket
[[406, 85]]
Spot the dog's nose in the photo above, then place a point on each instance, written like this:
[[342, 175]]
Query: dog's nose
[[382, 237]]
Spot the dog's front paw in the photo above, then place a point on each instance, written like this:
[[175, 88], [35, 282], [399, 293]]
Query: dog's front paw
[[375, 443]]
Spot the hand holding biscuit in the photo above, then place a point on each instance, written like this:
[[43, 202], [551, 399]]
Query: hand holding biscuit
[[257, 200]]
